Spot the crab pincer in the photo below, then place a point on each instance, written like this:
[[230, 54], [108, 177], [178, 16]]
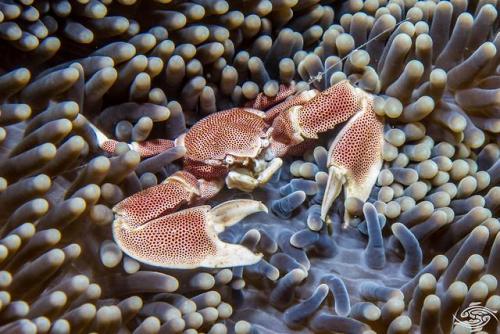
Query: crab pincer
[[178, 190], [355, 157], [147, 228]]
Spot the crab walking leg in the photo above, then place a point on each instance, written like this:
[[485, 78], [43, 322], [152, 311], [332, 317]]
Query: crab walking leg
[[355, 157], [263, 102], [177, 190], [188, 239], [145, 149]]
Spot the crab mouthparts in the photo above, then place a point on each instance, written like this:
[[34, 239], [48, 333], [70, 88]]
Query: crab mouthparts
[[247, 179]]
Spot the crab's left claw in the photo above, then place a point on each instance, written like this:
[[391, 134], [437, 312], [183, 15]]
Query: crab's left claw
[[188, 239], [355, 157]]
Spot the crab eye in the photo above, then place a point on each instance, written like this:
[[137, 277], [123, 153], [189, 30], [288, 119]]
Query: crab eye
[[229, 159]]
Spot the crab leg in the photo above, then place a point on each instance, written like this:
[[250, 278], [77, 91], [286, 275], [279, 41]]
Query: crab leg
[[145, 149], [355, 157], [244, 182], [310, 114], [263, 102], [296, 100], [188, 238]]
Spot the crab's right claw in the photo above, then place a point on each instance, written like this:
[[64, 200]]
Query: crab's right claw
[[188, 239], [336, 179], [310, 113], [355, 158]]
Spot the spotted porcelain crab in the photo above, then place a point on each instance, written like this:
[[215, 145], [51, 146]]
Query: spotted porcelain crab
[[242, 148]]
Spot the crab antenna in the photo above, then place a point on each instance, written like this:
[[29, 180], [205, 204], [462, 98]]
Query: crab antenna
[[318, 77]]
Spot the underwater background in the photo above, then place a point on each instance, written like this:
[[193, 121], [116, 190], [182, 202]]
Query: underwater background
[[424, 250]]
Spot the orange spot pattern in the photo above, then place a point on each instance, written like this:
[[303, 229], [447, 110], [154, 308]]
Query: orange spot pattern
[[109, 146], [188, 178], [262, 101], [282, 137], [153, 147], [359, 146], [234, 131], [204, 171], [179, 238], [150, 203], [333, 106], [209, 189]]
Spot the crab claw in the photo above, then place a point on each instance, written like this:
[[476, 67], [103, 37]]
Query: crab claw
[[178, 189], [355, 157], [188, 239], [309, 114]]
